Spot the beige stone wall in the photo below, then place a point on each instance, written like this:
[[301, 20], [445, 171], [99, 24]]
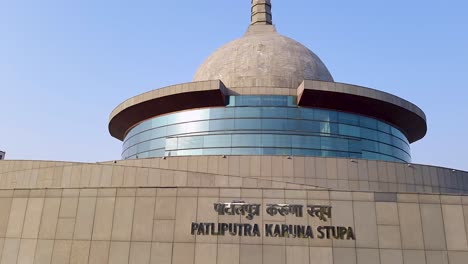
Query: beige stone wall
[[152, 225], [140, 211], [236, 171]]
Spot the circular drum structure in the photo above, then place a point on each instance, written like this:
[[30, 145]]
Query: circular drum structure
[[266, 125], [325, 119]]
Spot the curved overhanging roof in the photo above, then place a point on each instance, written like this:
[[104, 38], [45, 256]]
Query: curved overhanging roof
[[337, 96], [165, 100], [402, 114]]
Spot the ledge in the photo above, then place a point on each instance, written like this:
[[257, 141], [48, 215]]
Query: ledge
[[402, 114], [165, 100]]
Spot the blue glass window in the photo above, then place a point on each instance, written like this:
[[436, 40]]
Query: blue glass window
[[312, 142], [217, 141], [383, 127], [309, 126], [272, 112], [266, 125], [368, 122], [222, 112], [346, 118], [280, 141], [246, 151], [247, 140], [325, 115], [348, 130], [246, 124], [222, 124], [190, 142], [251, 112]]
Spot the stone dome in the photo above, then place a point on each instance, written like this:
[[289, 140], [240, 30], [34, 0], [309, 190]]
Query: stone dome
[[263, 58]]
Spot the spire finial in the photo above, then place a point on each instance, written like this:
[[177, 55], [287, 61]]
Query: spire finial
[[261, 12]]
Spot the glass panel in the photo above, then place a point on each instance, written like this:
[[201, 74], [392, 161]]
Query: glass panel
[[217, 151], [385, 149], [157, 143], [398, 153], [253, 112], [306, 142], [175, 130], [248, 124], [397, 133], [385, 138], [355, 155], [218, 113], [370, 155], [190, 127], [190, 142], [223, 124], [333, 143], [273, 124], [232, 101], [355, 145], [307, 113], [143, 155], [348, 130], [309, 126], [340, 144], [246, 151], [189, 152], [144, 146], [327, 153], [326, 143], [368, 122], [293, 113], [144, 126], [156, 153], [255, 100], [193, 115], [171, 143], [132, 151], [291, 125], [274, 100], [383, 127], [370, 145], [328, 128], [247, 100], [325, 115], [347, 118], [276, 151], [292, 101], [274, 112], [276, 141], [369, 134], [159, 122], [247, 140], [217, 141], [306, 152]]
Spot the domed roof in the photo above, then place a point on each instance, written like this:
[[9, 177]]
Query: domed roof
[[262, 57]]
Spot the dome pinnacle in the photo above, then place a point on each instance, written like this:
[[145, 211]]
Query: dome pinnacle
[[261, 12]]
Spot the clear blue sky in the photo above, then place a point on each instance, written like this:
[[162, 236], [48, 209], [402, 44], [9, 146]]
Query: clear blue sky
[[64, 65]]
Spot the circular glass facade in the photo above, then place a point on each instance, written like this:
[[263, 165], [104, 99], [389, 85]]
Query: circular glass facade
[[266, 125]]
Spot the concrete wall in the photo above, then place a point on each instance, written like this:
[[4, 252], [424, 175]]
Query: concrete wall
[[237, 171], [141, 211], [152, 225]]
